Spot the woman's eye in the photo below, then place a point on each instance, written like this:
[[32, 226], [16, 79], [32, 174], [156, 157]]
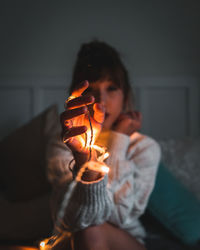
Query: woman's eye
[[112, 88]]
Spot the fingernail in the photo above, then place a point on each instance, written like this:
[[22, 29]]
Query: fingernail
[[85, 82]]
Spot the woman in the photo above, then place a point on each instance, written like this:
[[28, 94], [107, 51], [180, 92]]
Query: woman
[[101, 210]]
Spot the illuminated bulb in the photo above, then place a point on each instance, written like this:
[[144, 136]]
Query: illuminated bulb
[[99, 149], [105, 156], [88, 132], [104, 169], [42, 245], [90, 136]]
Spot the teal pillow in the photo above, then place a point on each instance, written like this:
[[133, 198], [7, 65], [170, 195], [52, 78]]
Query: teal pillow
[[175, 207]]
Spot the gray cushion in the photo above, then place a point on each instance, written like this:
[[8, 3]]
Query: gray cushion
[[22, 155]]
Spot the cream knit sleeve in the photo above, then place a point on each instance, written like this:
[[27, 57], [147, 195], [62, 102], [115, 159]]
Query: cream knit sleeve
[[76, 204], [133, 165]]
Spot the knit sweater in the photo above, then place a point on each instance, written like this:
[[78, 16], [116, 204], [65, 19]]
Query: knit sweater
[[119, 197]]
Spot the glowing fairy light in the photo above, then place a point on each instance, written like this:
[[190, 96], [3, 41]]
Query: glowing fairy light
[[105, 169], [42, 244], [54, 240], [48, 243], [99, 149], [90, 137], [105, 156]]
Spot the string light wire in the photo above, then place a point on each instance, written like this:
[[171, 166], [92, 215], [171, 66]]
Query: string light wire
[[58, 235]]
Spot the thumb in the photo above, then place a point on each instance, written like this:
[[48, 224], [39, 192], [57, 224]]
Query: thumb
[[136, 115], [99, 112]]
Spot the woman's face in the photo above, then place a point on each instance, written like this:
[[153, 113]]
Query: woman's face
[[111, 97]]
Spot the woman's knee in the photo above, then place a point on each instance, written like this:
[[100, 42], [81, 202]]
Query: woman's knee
[[90, 238]]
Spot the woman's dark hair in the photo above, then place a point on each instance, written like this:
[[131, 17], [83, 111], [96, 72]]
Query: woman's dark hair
[[99, 61]]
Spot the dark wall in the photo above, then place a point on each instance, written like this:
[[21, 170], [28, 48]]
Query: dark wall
[[155, 38]]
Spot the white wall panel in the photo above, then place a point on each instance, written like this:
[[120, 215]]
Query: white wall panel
[[54, 95], [174, 103], [165, 111]]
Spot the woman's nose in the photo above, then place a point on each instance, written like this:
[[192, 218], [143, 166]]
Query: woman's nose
[[100, 97]]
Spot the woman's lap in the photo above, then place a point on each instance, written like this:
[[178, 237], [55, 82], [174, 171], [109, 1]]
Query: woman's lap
[[106, 236], [101, 237]]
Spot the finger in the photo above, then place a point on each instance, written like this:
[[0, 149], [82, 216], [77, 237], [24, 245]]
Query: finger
[[137, 120], [136, 115], [122, 116], [80, 89], [72, 113], [69, 133], [80, 101], [99, 112], [137, 125]]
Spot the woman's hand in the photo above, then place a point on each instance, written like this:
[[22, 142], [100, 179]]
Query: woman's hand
[[128, 123], [75, 124]]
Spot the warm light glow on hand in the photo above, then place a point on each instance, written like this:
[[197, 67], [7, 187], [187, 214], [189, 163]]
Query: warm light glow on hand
[[93, 124], [81, 128]]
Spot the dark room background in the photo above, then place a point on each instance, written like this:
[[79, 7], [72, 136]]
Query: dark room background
[[159, 42]]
